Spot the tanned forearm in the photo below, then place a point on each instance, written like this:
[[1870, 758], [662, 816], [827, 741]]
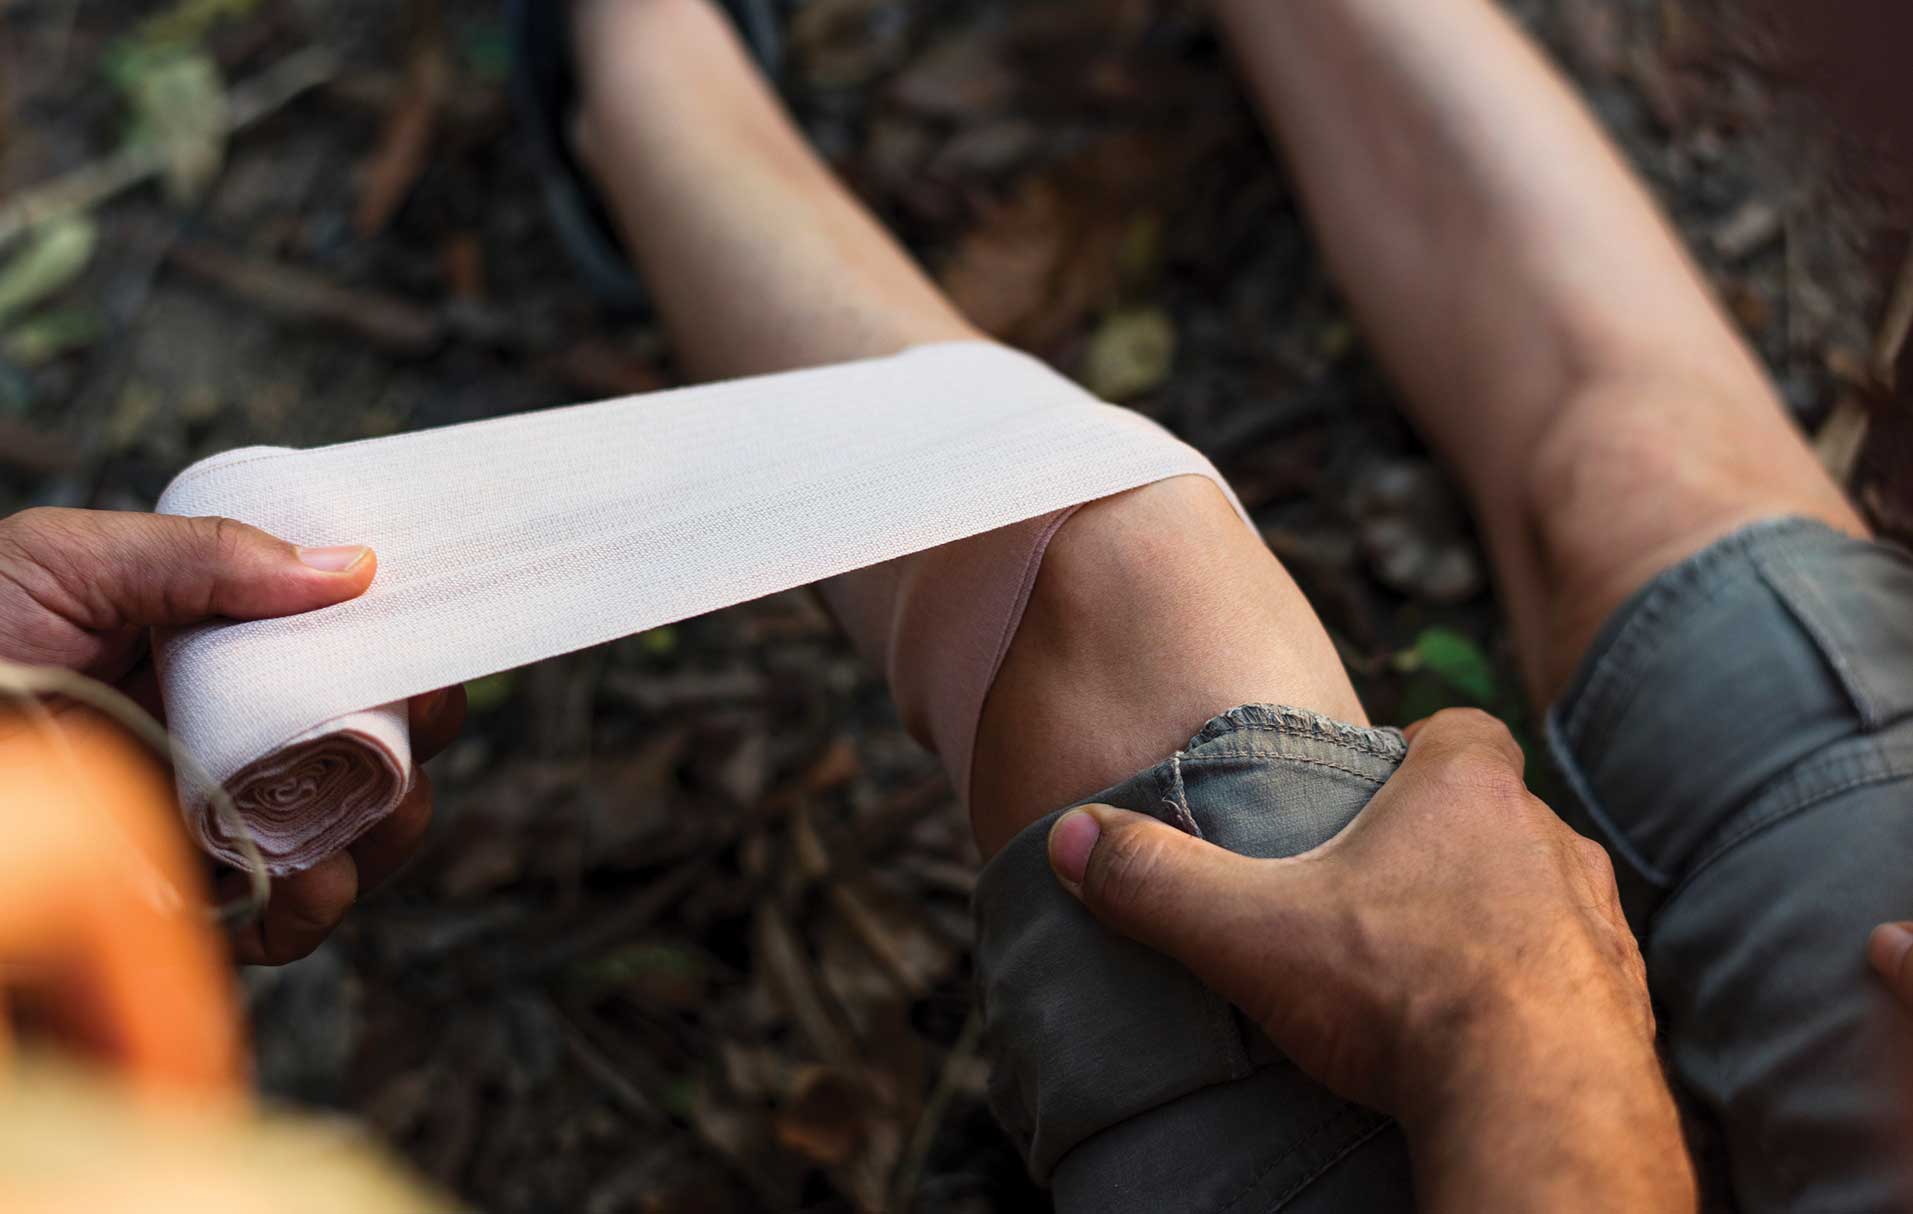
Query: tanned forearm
[[1562, 1117]]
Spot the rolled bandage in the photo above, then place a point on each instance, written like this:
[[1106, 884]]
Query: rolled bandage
[[319, 792], [507, 541]]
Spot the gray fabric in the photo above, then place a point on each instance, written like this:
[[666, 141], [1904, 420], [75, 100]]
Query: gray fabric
[[1128, 1085], [1743, 735], [1742, 732]]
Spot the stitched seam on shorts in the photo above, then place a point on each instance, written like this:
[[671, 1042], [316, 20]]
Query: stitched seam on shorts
[[1222, 1037], [1319, 1130], [1354, 741], [1852, 680], [1365, 777], [1178, 799], [1354, 1145], [1895, 766], [1568, 763]]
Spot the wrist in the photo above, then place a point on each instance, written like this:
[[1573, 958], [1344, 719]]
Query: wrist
[[1560, 1101]]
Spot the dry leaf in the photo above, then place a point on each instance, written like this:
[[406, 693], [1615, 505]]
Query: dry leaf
[[844, 43], [1751, 227], [1595, 40], [961, 77], [1003, 270], [1842, 438], [824, 1121], [405, 144], [462, 257], [834, 768]]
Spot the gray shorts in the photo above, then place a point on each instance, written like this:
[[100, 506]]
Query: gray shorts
[[1741, 734]]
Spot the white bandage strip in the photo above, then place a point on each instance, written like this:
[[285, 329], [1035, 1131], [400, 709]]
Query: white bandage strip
[[506, 541]]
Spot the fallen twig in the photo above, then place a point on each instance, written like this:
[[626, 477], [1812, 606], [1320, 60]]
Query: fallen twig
[[297, 294], [1893, 330], [867, 926], [632, 1092], [782, 956], [405, 143], [909, 1174]]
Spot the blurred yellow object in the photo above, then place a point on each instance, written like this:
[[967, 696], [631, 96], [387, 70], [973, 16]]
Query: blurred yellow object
[[71, 1141]]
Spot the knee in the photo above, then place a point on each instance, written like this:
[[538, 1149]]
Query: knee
[[1613, 452], [1162, 542], [1154, 611], [1636, 473]]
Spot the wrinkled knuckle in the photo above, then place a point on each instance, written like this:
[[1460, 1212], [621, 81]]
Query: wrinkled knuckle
[[1482, 771], [1472, 720], [1125, 870], [1595, 858], [15, 531], [225, 539], [31, 521], [29, 534]]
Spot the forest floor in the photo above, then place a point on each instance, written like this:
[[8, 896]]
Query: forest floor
[[691, 929]]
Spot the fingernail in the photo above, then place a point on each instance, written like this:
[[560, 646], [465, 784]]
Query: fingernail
[[1070, 842], [342, 559], [1889, 946]]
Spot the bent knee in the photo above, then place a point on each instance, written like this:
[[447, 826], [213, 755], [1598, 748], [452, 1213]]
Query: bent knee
[[1154, 611], [1164, 541], [1635, 476]]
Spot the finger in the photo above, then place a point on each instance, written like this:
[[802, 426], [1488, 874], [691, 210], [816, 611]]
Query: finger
[[436, 717], [108, 569], [384, 849], [1463, 735], [1890, 949], [303, 911], [1175, 893]]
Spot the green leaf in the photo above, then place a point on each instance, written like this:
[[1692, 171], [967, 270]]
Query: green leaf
[[46, 337], [1139, 259], [179, 106], [59, 254], [1131, 354], [491, 692], [1456, 661], [186, 22], [486, 51]]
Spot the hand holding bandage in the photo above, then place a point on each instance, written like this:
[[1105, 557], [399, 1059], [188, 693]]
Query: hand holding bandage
[[80, 589], [507, 541]]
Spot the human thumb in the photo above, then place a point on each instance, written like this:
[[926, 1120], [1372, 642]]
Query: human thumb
[[129, 570], [1189, 899]]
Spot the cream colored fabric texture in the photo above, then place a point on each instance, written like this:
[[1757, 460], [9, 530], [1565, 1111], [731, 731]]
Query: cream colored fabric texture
[[506, 541]]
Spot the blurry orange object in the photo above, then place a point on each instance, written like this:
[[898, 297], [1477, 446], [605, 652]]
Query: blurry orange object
[[107, 943], [104, 933]]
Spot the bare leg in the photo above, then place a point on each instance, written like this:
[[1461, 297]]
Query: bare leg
[[1154, 610], [1551, 337]]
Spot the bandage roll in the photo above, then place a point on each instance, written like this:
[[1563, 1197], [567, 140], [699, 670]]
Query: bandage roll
[[507, 541]]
